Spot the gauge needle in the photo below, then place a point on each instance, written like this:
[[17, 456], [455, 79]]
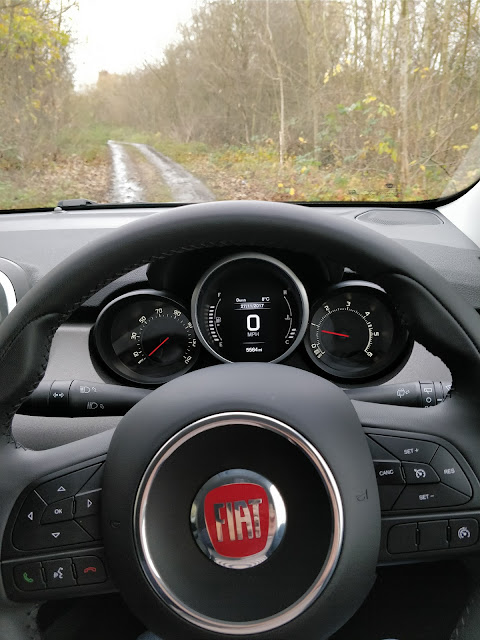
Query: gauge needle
[[156, 348], [334, 333]]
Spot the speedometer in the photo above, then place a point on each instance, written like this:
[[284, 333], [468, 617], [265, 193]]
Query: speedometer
[[355, 333], [146, 337], [250, 308]]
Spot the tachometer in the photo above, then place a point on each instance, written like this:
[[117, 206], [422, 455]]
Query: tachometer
[[355, 333], [250, 308], [146, 337]]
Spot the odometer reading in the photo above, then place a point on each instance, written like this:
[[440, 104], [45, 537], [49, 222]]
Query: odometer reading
[[354, 332], [250, 308], [146, 337]]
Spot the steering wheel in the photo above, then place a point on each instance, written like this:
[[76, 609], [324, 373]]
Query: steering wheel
[[241, 499]]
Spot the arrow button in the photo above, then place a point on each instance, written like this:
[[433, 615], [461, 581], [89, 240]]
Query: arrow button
[[87, 504], [65, 486]]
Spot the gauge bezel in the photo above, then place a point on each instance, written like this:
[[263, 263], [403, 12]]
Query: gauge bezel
[[262, 257], [104, 348], [402, 343]]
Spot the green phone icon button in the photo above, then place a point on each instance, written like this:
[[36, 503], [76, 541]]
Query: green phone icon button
[[26, 578]]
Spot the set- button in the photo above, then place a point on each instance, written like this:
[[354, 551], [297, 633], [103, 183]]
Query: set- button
[[417, 474]]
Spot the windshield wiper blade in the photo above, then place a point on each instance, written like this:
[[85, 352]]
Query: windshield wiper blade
[[76, 202]]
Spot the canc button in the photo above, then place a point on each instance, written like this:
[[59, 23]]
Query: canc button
[[389, 472]]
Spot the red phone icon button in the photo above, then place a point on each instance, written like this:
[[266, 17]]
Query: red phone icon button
[[89, 570]]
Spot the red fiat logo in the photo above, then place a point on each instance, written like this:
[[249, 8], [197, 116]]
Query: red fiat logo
[[237, 519]]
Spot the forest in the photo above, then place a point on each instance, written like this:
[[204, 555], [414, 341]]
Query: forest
[[331, 100]]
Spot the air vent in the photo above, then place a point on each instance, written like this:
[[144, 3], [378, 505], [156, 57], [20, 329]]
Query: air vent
[[396, 217]]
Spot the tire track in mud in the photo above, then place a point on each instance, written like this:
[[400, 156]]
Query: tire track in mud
[[126, 182]]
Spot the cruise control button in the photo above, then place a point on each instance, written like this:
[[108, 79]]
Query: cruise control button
[[51, 536], [87, 504], [407, 449], [58, 511], [89, 570], [65, 486], [59, 573], [28, 577], [419, 473], [402, 538], [450, 471], [433, 535], [429, 496], [388, 472], [463, 532]]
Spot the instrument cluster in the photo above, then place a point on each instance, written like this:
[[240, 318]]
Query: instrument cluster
[[252, 307]]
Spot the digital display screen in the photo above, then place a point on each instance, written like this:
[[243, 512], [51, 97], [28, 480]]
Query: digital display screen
[[250, 311]]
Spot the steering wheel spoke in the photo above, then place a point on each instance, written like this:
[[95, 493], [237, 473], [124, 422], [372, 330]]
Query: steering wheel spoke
[[53, 543], [429, 492]]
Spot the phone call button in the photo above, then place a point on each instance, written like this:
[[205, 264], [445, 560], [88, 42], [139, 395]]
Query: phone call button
[[28, 577], [89, 569]]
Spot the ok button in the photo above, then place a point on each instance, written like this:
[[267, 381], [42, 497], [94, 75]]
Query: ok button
[[389, 472]]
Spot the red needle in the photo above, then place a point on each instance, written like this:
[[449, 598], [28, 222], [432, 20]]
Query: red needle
[[156, 348], [333, 333]]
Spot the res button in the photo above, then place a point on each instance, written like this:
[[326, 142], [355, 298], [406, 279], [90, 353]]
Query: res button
[[450, 471]]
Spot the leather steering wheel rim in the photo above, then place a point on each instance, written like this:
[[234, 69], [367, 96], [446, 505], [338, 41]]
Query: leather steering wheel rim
[[421, 294]]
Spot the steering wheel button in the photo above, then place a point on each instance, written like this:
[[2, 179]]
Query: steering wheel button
[[65, 486], [87, 504], [58, 511], [450, 471], [29, 577], [51, 536], [89, 570], [31, 512], [389, 472], [419, 473], [59, 573], [433, 535], [463, 532], [407, 449], [402, 538], [429, 496]]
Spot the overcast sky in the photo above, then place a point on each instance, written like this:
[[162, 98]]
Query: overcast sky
[[120, 35]]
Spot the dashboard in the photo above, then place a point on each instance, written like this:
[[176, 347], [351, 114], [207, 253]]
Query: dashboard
[[251, 307], [32, 244]]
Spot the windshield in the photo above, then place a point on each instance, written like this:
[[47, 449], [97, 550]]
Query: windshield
[[188, 101]]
